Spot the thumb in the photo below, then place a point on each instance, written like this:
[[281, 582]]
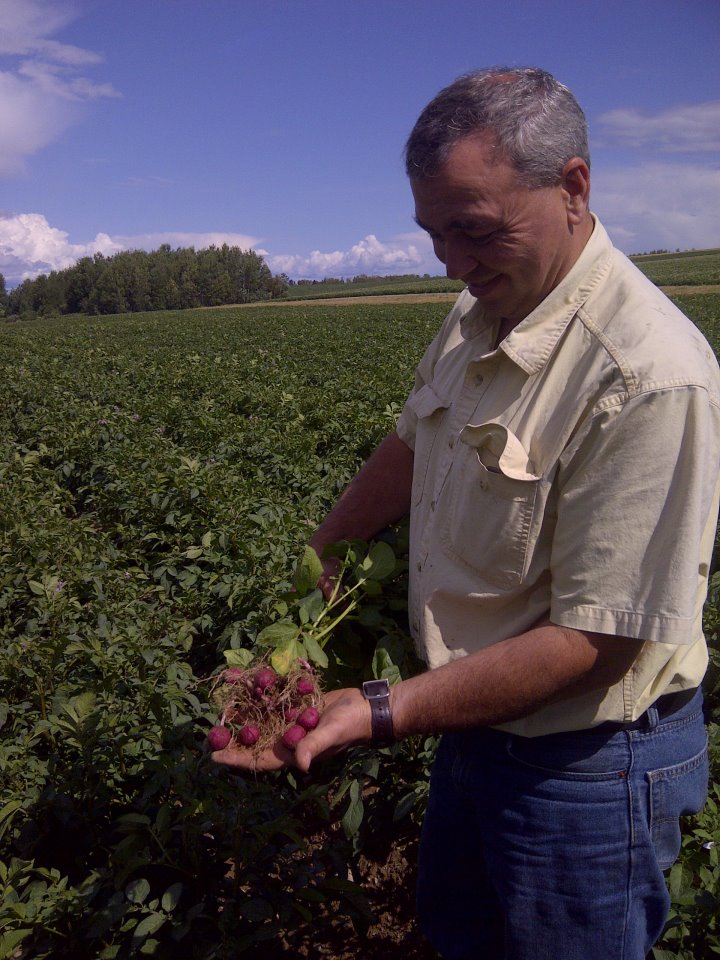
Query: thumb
[[317, 741], [345, 723]]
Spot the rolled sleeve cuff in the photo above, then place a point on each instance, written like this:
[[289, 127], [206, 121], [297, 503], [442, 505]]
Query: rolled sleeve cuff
[[625, 623]]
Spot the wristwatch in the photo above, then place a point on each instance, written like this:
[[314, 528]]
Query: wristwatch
[[377, 693]]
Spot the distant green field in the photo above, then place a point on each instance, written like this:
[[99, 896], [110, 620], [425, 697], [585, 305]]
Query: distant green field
[[687, 268], [691, 268], [383, 286]]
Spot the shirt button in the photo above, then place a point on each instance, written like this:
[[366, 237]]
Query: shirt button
[[432, 505], [479, 379], [451, 442], [419, 566]]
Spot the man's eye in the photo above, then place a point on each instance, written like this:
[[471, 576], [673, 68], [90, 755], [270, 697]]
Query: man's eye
[[481, 238]]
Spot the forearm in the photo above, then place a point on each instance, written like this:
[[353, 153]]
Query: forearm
[[378, 496], [509, 680]]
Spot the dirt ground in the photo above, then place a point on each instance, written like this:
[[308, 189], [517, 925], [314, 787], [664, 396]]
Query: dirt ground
[[387, 875]]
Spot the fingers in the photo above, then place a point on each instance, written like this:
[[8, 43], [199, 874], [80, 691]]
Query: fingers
[[328, 581], [345, 722], [327, 585], [243, 758]]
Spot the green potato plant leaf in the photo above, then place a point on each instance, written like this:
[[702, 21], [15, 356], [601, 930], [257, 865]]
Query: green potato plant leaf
[[307, 572], [379, 562], [315, 652], [286, 654], [277, 634]]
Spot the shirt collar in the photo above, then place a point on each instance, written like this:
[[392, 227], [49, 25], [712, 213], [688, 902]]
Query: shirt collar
[[533, 340]]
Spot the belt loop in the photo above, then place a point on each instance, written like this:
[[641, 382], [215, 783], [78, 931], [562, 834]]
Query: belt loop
[[652, 717]]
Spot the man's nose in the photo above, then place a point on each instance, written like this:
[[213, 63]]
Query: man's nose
[[458, 260]]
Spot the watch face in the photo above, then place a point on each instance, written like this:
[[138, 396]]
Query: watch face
[[376, 688]]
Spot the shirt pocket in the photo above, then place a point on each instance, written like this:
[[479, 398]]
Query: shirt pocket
[[430, 408], [493, 495]]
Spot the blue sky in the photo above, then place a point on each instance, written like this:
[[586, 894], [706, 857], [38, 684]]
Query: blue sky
[[279, 124]]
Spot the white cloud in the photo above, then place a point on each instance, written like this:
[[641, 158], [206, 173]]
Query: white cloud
[[26, 24], [408, 253], [659, 206], [693, 128], [29, 245], [151, 241], [42, 94]]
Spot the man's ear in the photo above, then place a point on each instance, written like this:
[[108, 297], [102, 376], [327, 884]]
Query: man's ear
[[575, 185]]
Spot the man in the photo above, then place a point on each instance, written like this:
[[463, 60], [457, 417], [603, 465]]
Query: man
[[559, 458]]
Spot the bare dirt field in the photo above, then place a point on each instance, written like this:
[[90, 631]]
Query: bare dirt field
[[691, 291]]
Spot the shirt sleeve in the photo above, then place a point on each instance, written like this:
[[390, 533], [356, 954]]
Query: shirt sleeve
[[636, 514]]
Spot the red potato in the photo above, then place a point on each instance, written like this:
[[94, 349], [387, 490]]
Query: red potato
[[233, 675], [219, 737], [309, 718], [293, 735], [305, 686], [248, 735], [265, 677]]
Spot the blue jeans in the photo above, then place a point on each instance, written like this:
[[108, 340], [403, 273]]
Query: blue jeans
[[553, 848]]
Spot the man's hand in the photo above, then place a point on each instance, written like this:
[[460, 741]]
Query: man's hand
[[345, 722], [328, 582]]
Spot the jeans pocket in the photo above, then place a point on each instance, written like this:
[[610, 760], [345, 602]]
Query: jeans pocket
[[572, 757], [675, 792]]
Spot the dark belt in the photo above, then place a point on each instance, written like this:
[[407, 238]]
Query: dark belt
[[666, 706]]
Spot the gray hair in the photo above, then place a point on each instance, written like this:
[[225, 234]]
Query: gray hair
[[536, 123]]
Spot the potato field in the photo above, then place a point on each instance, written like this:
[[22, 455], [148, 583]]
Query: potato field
[[694, 267], [160, 475]]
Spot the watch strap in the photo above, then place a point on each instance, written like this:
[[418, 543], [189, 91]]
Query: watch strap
[[377, 693]]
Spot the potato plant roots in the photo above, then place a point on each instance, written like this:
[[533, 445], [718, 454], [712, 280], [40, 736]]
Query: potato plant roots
[[257, 699]]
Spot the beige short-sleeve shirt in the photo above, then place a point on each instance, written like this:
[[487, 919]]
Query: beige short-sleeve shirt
[[571, 472]]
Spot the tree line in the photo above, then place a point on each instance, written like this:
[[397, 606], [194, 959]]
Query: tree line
[[135, 280]]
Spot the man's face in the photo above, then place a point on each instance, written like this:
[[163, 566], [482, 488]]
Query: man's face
[[511, 245]]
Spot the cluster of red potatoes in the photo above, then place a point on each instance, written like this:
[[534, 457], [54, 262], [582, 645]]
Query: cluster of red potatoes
[[258, 707]]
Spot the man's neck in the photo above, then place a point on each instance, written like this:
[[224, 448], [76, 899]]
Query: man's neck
[[504, 329]]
